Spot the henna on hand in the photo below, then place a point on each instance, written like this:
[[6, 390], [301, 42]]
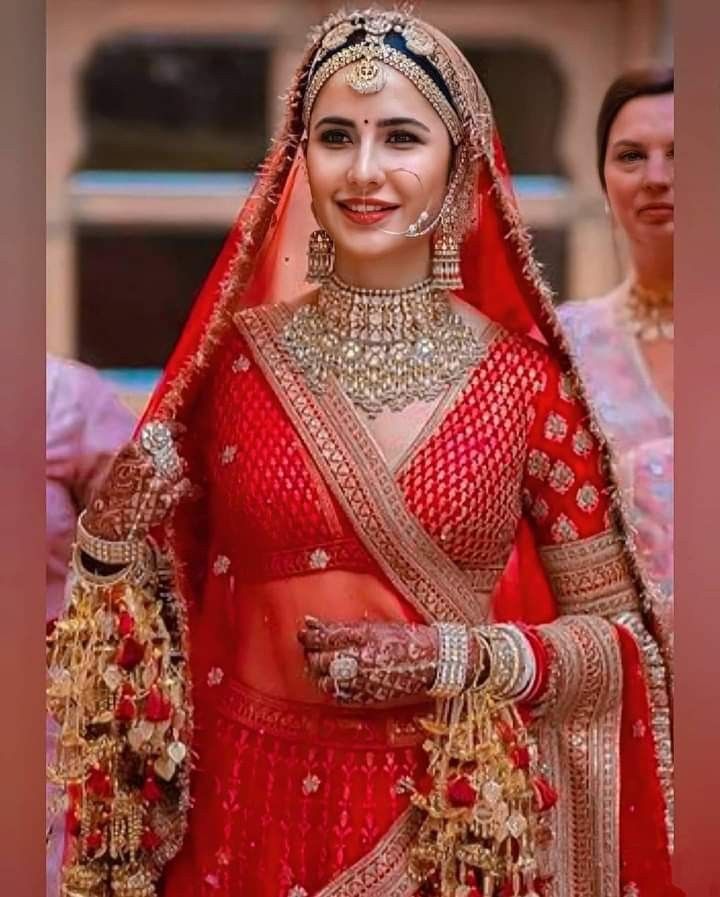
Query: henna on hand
[[133, 498], [395, 660]]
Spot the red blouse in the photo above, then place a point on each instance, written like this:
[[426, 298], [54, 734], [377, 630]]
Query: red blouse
[[512, 442]]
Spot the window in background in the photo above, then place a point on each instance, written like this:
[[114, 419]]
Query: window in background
[[168, 103], [174, 127]]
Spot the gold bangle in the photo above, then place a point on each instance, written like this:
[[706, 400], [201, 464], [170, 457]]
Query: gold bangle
[[511, 660], [452, 665], [484, 662], [115, 552]]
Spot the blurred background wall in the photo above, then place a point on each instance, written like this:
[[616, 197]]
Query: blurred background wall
[[158, 112]]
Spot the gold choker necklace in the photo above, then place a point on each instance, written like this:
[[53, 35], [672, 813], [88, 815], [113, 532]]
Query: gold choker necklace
[[385, 348], [649, 315]]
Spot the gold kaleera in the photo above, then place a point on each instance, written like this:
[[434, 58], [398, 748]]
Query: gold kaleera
[[481, 817], [118, 680]]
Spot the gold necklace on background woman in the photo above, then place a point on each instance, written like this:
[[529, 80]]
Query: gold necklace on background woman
[[648, 314]]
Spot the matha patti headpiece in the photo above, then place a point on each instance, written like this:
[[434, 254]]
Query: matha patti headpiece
[[363, 41]]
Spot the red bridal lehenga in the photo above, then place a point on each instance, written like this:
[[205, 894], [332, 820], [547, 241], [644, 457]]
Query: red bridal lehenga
[[295, 508]]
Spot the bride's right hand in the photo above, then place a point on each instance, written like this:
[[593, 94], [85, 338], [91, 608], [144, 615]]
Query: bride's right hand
[[136, 495]]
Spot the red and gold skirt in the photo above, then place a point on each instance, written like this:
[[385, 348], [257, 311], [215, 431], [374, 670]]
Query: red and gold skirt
[[286, 796]]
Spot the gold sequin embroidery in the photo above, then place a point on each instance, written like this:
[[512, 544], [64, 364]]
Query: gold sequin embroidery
[[555, 427], [561, 477], [582, 442], [563, 530], [538, 464], [587, 498]]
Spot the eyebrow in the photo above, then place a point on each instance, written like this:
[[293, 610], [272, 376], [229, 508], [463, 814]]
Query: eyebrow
[[634, 144], [395, 122], [382, 123]]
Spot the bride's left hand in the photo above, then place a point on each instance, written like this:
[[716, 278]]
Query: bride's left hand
[[370, 662]]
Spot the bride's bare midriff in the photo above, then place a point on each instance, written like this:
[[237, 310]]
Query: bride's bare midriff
[[269, 615]]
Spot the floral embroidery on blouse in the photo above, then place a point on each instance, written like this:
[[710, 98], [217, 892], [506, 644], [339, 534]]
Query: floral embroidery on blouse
[[538, 464], [540, 509], [561, 477], [555, 427], [587, 498], [564, 530], [582, 442]]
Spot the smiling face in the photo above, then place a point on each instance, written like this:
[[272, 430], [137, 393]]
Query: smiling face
[[375, 163], [639, 169]]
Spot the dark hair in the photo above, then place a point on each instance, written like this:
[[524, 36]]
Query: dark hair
[[645, 82]]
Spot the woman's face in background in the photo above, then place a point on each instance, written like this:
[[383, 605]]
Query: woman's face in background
[[375, 163], [639, 169]]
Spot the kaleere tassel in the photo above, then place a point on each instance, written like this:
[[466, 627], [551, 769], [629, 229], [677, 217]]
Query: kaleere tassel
[[124, 823], [481, 808]]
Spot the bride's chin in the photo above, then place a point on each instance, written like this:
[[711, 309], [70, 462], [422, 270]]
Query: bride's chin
[[368, 247]]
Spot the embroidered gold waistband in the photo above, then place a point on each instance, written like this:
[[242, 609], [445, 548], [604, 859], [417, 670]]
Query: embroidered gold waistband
[[340, 554], [590, 576], [321, 724]]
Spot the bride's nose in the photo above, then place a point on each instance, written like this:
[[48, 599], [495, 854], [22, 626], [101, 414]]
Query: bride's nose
[[366, 171]]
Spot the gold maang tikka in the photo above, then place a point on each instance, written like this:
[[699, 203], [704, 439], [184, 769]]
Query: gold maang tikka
[[367, 75]]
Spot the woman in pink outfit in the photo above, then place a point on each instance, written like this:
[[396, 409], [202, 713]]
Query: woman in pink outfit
[[623, 340], [86, 423]]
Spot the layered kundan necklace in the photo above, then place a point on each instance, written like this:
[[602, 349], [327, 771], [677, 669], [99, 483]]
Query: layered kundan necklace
[[385, 348], [648, 314]]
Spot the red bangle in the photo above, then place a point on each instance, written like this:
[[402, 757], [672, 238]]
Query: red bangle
[[542, 663]]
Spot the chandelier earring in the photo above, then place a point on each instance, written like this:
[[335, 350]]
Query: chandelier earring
[[320, 256], [446, 256]]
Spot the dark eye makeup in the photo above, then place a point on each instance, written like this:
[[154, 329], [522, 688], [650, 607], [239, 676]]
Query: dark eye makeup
[[338, 137], [335, 137]]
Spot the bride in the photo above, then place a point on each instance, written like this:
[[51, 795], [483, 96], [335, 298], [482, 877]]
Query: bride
[[309, 528]]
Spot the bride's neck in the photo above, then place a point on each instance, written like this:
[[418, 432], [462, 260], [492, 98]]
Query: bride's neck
[[401, 269]]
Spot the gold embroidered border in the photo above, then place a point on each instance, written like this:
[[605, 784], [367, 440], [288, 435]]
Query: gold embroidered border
[[591, 576], [361, 482], [483, 579], [580, 742], [383, 872], [320, 724], [660, 716]]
